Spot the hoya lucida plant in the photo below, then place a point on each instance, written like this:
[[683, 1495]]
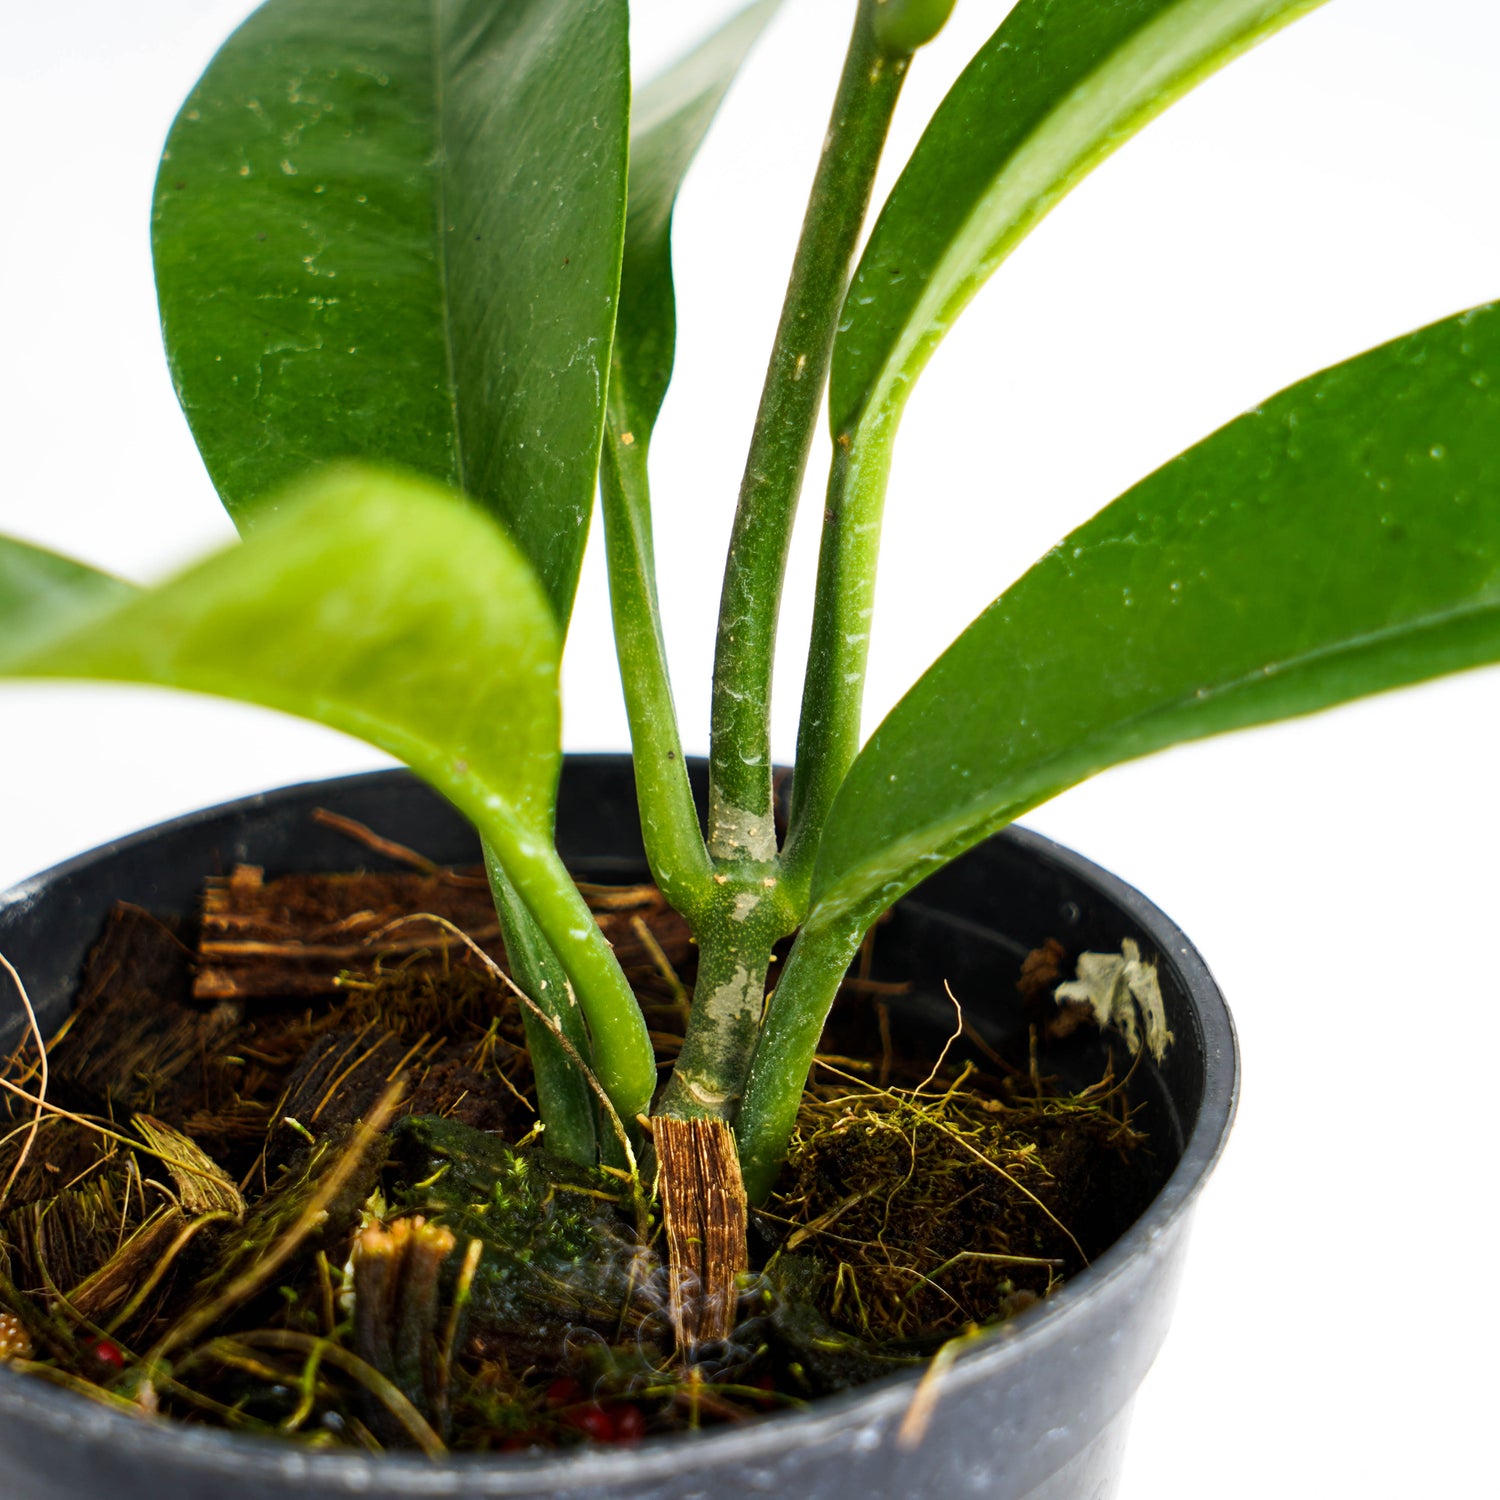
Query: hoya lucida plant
[[415, 280]]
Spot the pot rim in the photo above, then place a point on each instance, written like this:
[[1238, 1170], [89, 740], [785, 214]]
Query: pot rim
[[872, 1405]]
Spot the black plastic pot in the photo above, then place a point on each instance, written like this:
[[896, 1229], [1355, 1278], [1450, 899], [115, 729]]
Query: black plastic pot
[[1037, 1408]]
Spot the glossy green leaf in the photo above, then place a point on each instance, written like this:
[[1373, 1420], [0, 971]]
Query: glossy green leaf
[[44, 596], [378, 604], [392, 231], [671, 116], [1058, 87], [1342, 539]]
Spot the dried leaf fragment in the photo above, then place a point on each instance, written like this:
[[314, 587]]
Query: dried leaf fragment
[[1119, 987], [202, 1184]]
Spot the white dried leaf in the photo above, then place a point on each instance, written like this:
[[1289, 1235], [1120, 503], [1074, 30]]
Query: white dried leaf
[[1123, 992]]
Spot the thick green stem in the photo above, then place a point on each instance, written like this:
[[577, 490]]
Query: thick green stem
[[844, 605], [740, 822], [566, 1102], [669, 820], [734, 956], [623, 1059], [788, 1040]]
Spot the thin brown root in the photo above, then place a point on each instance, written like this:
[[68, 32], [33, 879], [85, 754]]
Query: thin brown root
[[362, 834], [958, 1031], [41, 1103], [642, 930], [924, 1399]]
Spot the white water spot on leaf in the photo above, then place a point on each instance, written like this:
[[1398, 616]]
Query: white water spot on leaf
[[1123, 991]]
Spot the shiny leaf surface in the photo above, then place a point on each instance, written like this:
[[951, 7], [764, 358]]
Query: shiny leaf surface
[[392, 231], [1058, 87], [1342, 539]]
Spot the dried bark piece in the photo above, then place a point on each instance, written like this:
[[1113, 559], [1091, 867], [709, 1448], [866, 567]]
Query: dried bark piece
[[705, 1215], [342, 1076], [62, 1152], [292, 937], [136, 1040], [130, 1267], [1041, 971]]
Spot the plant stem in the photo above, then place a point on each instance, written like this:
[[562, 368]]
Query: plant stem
[[669, 820], [623, 1059], [734, 955], [788, 1040], [564, 1100], [844, 605], [740, 820]]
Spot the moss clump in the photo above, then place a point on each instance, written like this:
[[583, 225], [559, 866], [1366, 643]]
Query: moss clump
[[938, 1208]]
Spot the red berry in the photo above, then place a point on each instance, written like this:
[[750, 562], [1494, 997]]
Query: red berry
[[106, 1352], [630, 1425], [593, 1422], [564, 1391]]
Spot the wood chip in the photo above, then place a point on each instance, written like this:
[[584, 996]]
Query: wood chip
[[293, 936]]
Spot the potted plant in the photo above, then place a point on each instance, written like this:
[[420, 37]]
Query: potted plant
[[735, 831]]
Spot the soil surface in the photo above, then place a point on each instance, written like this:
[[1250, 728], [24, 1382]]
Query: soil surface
[[282, 1172]]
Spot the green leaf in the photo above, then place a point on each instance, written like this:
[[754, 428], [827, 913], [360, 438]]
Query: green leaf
[[392, 231], [43, 596], [1053, 92], [1340, 540], [671, 116], [379, 604]]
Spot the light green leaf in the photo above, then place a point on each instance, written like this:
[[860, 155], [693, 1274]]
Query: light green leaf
[[1340, 540], [392, 231], [43, 596], [671, 116], [1054, 91], [378, 604]]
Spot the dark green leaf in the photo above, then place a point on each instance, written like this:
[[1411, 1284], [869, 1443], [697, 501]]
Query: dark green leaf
[[376, 603], [1054, 91], [671, 116], [392, 231], [1340, 540]]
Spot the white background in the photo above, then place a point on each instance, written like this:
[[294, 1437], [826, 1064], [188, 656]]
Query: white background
[[1337, 1328]]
